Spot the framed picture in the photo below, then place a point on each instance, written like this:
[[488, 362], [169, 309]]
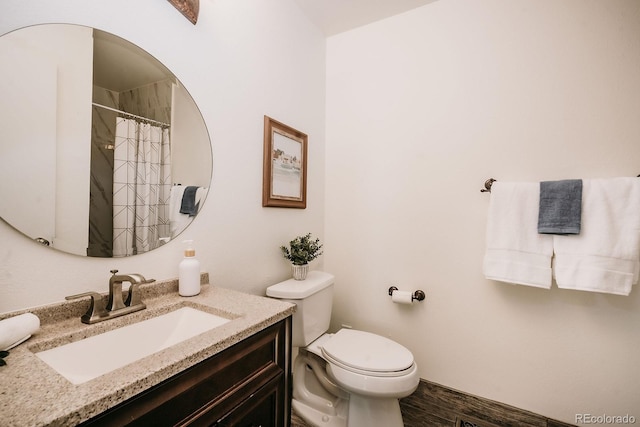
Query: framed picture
[[284, 182], [189, 8]]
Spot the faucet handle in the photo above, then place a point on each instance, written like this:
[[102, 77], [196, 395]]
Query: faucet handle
[[96, 309]]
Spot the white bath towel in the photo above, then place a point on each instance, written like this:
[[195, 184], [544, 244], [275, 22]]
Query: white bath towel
[[176, 198], [605, 256], [515, 252], [201, 194], [17, 329], [177, 221]]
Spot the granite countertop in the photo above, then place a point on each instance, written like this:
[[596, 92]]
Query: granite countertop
[[33, 394]]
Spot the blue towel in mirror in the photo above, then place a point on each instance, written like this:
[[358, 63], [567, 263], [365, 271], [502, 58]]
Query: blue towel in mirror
[[560, 209]]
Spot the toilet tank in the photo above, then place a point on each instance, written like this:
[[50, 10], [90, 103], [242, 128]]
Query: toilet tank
[[313, 298]]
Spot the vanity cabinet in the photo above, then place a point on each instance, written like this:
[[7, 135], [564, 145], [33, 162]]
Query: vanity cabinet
[[245, 385]]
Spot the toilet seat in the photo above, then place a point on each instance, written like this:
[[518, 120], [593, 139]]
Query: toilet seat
[[367, 354]]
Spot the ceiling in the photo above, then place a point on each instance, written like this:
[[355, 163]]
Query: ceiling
[[337, 16], [331, 16], [120, 66]]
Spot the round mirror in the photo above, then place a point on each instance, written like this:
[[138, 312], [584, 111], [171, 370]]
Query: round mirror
[[104, 153]]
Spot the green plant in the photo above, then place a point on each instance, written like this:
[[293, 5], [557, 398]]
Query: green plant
[[302, 250]]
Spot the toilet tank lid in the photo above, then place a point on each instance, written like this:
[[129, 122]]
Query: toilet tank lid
[[298, 289]]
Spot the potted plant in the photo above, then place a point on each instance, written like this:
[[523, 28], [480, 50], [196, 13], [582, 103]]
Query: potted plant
[[301, 251]]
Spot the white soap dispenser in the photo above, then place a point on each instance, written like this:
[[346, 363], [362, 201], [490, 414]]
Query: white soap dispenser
[[189, 272]]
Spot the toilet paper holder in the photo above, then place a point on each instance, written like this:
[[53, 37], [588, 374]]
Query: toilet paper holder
[[417, 295]]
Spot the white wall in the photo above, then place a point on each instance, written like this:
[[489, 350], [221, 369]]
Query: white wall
[[242, 60], [189, 141], [422, 108]]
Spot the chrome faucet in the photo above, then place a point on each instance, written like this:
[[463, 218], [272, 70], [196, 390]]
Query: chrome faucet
[[115, 305]]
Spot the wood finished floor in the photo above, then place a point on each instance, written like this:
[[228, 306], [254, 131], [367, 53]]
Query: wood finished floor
[[433, 405]]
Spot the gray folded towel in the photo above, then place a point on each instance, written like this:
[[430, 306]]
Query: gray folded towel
[[189, 205], [560, 207]]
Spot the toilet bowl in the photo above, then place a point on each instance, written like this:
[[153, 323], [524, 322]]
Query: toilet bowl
[[350, 378], [336, 386]]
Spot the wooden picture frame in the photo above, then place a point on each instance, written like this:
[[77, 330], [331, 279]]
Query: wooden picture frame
[[284, 182], [189, 8]]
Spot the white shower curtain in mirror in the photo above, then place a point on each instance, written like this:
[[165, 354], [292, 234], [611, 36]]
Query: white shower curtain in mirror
[[141, 186]]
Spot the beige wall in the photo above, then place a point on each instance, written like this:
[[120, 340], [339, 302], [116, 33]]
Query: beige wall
[[242, 60], [422, 108]]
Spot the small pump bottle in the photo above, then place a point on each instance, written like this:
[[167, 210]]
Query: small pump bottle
[[189, 272]]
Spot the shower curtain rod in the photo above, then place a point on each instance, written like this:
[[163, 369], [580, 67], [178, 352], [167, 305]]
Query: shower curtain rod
[[131, 115]]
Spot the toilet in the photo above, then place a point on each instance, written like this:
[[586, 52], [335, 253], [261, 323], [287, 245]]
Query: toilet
[[349, 378]]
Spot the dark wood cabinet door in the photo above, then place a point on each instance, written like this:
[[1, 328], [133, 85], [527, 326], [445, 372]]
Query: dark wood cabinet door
[[244, 385]]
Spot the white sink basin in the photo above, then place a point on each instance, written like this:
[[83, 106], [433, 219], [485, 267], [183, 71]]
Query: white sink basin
[[91, 357]]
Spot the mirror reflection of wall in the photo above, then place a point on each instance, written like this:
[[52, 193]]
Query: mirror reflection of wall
[[46, 85], [102, 130]]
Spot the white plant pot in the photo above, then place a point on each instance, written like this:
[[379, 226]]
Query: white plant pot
[[300, 271]]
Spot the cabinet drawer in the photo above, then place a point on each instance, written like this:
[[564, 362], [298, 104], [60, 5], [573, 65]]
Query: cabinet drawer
[[259, 411]]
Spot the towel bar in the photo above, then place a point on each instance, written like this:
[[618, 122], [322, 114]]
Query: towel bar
[[487, 185]]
